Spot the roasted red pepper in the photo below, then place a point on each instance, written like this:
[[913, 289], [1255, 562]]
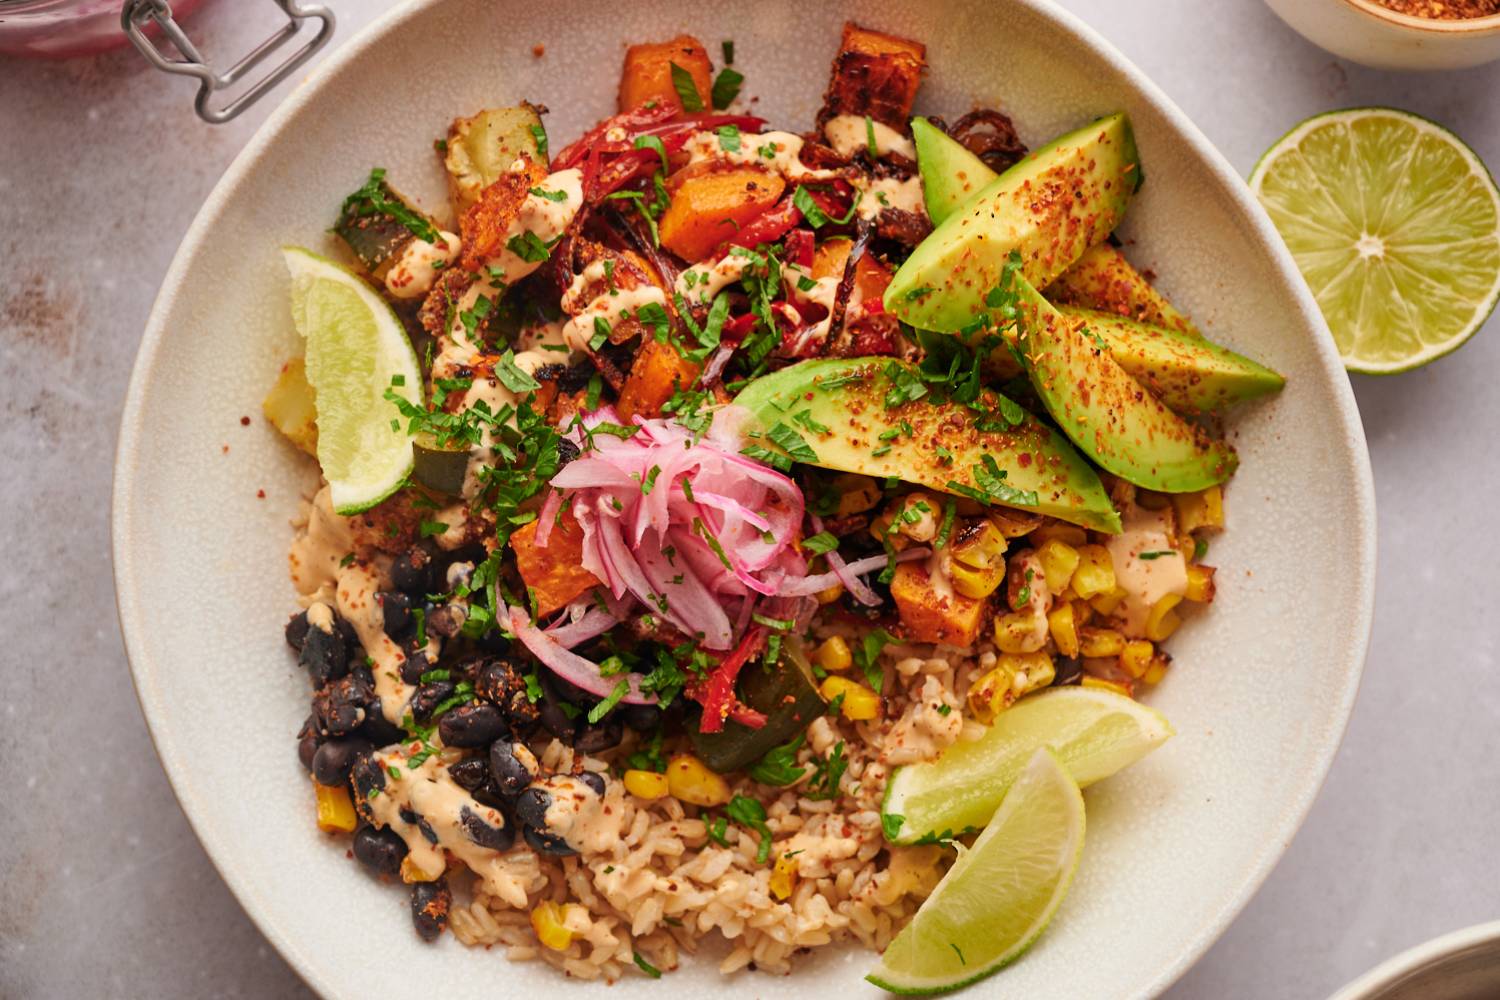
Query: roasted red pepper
[[767, 227], [716, 691]]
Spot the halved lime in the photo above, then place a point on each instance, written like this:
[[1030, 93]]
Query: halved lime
[[1093, 732], [1000, 893], [356, 350], [1395, 224]]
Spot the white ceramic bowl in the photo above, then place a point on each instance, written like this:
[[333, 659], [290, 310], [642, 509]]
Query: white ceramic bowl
[[1463, 965], [1374, 35], [1263, 685]]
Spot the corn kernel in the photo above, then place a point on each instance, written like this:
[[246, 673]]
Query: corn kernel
[[831, 594], [1068, 534], [1162, 621], [1157, 670], [993, 692], [1063, 627], [1014, 524], [1199, 510], [784, 876], [410, 873], [1034, 671], [880, 530], [856, 493], [1100, 642], [976, 582], [1135, 658], [1059, 560], [1018, 633], [1104, 685], [859, 704], [335, 808], [691, 780], [547, 920], [646, 784], [1106, 604], [979, 544], [1200, 583], [1095, 573], [833, 654]]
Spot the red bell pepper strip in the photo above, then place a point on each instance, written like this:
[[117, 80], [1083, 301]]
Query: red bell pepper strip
[[573, 154], [799, 247], [767, 227], [716, 692]]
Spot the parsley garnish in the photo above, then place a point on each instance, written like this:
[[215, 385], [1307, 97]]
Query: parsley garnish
[[870, 144], [867, 656], [749, 813], [430, 528], [1200, 548], [890, 824], [827, 774], [728, 48], [729, 138], [529, 247], [820, 543], [1023, 596], [654, 143], [816, 217], [950, 507], [687, 90], [918, 292], [539, 136], [726, 87], [805, 418], [640, 960], [779, 766], [512, 377], [606, 706], [792, 443], [1157, 554], [555, 196]]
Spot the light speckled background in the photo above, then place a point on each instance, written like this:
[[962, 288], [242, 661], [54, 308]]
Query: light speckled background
[[104, 892]]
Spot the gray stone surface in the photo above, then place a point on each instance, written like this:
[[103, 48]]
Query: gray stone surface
[[105, 893]]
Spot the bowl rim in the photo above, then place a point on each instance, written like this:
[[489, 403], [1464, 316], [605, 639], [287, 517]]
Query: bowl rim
[[1418, 957], [1450, 27], [135, 623]]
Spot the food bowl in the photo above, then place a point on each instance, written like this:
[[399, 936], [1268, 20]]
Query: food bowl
[[1366, 32], [1463, 965], [1262, 687]]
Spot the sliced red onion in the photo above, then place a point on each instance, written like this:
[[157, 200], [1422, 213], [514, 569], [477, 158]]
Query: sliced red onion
[[809, 585], [583, 624], [569, 665], [547, 517], [715, 366]]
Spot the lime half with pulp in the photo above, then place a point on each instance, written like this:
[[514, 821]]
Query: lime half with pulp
[[356, 350], [1095, 733], [999, 895], [1395, 224]]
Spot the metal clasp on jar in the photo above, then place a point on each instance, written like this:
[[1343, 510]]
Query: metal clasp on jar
[[138, 14]]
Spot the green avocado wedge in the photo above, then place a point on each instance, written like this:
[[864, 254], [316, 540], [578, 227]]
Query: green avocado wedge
[[1049, 208], [1103, 279], [951, 175], [832, 413], [1106, 412], [1187, 373]]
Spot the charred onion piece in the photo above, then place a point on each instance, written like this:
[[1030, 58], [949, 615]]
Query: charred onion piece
[[989, 135]]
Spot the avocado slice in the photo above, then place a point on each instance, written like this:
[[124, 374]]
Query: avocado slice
[[1103, 279], [1187, 373], [1108, 414], [1050, 207], [951, 175], [832, 412]]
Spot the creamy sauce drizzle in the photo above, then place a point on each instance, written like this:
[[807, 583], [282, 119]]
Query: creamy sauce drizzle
[[778, 152], [700, 283], [316, 553], [589, 822], [1145, 581], [357, 586], [417, 268], [848, 134], [542, 216], [880, 193]]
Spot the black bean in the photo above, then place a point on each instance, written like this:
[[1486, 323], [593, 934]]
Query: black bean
[[532, 806], [411, 573], [492, 641], [576, 377], [367, 778], [473, 725], [546, 843], [512, 766], [347, 630], [324, 655], [566, 451], [502, 683], [458, 575], [308, 741], [568, 691], [334, 759], [427, 830], [593, 779], [1068, 671], [379, 850], [641, 718], [429, 696], [396, 609], [596, 737], [489, 795], [415, 665], [444, 620], [296, 630], [430, 902], [466, 669], [495, 833], [378, 729], [471, 773], [341, 706], [555, 719]]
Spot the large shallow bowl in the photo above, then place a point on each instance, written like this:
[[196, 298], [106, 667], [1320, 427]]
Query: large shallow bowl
[[1262, 687]]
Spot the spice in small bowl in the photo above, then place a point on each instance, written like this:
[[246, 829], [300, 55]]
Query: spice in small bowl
[[1399, 34]]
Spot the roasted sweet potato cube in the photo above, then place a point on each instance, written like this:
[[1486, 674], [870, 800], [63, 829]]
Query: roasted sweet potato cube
[[928, 616], [658, 372], [554, 572], [709, 208], [870, 275], [874, 74], [647, 75]]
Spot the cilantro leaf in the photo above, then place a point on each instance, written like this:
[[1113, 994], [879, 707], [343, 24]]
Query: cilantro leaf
[[687, 90]]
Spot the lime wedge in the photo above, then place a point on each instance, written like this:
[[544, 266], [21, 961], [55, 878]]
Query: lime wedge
[[1000, 893], [1094, 733], [1395, 224], [356, 350]]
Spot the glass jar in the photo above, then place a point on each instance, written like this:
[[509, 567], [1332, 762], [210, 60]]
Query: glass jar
[[58, 29]]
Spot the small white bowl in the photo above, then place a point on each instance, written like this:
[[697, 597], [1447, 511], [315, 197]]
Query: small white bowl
[[1463, 965], [1366, 32]]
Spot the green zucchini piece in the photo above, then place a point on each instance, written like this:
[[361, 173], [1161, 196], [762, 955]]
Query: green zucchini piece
[[483, 146], [439, 469], [376, 223], [788, 695]]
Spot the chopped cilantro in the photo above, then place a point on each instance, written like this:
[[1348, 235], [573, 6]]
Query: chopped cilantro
[[890, 824], [870, 144], [376, 198], [729, 138], [687, 90], [820, 543], [779, 766], [749, 813], [726, 87], [539, 136], [529, 247], [640, 960]]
